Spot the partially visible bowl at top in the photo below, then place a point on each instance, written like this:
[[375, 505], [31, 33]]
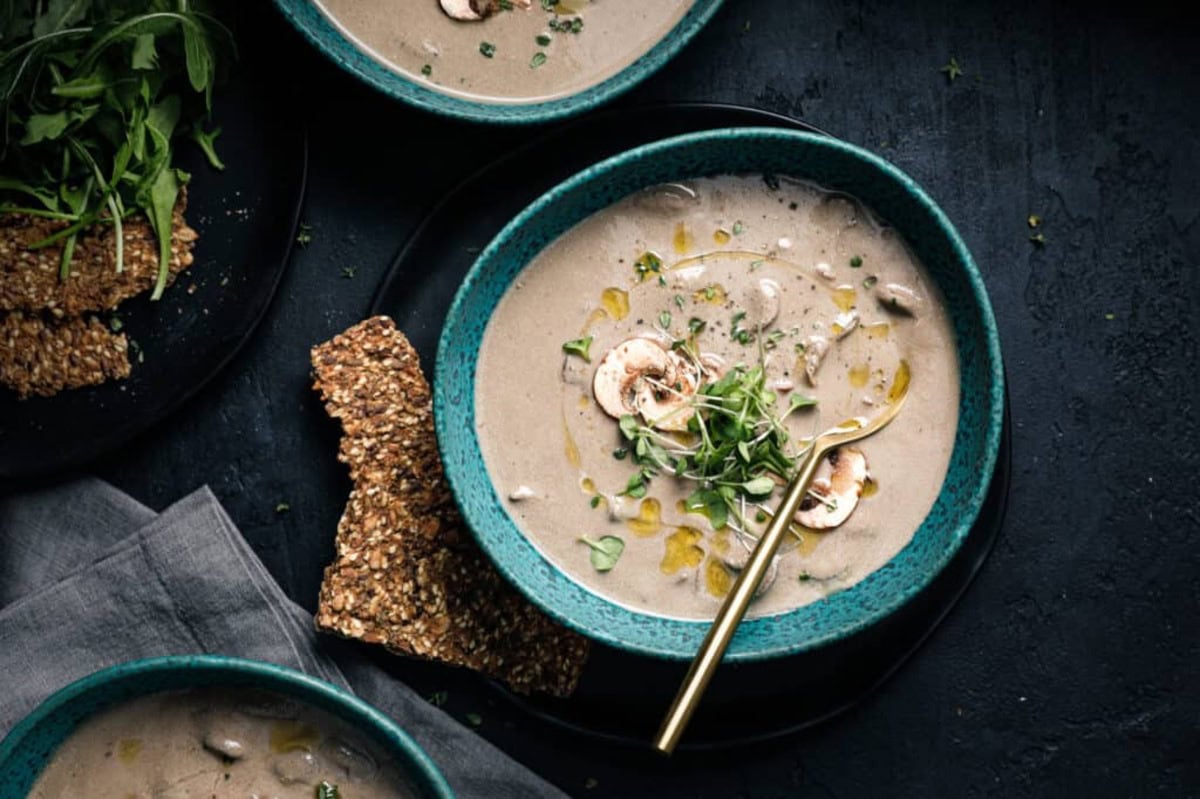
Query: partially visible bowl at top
[[835, 166], [531, 65], [32, 744]]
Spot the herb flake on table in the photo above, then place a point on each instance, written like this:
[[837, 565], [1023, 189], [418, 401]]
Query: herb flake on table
[[951, 70], [1034, 220], [348, 272], [1038, 239], [474, 719], [282, 507], [304, 235]]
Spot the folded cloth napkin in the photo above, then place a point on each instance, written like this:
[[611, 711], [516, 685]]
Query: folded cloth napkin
[[86, 570]]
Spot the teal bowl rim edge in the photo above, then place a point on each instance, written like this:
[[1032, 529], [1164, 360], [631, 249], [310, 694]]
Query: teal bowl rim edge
[[400, 87], [419, 763], [995, 394]]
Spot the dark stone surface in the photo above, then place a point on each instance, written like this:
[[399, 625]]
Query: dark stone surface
[[1072, 661]]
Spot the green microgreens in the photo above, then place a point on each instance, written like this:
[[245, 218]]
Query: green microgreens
[[870, 282], [856, 262], [738, 450], [487, 49], [580, 347], [664, 319], [605, 552], [542, 40], [738, 227], [538, 59], [327, 791]]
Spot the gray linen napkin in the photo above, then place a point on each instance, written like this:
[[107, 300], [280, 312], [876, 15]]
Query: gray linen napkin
[[86, 570]]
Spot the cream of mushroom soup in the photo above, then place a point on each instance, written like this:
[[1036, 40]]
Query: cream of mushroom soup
[[518, 51], [649, 380], [216, 742]]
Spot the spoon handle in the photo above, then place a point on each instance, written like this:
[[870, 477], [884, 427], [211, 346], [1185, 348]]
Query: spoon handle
[[734, 608]]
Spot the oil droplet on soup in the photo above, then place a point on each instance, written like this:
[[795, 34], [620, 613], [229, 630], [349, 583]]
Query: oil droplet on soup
[[649, 518], [615, 302], [713, 294], [877, 331], [870, 487], [128, 749], [288, 735], [588, 485], [682, 551], [859, 374], [844, 297], [899, 382], [717, 578], [683, 240], [569, 446], [721, 237]]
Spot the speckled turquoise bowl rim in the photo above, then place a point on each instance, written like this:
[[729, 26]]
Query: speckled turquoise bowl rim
[[831, 163], [27, 748], [315, 27]]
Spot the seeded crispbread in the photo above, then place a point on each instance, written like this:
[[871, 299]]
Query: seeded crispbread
[[407, 573], [29, 278], [42, 357]]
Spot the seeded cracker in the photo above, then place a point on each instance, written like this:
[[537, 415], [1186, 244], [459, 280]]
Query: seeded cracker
[[407, 573], [40, 357]]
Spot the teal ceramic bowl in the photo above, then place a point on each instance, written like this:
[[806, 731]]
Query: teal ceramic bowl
[[316, 27], [835, 165], [30, 745]]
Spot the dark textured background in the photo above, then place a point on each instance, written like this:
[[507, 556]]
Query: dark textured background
[[1072, 661]]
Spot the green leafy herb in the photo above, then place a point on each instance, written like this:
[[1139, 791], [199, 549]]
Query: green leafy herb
[[605, 552], [1110, 316], [304, 236], [696, 325], [579, 347], [647, 263], [438, 698], [856, 262], [870, 281], [595, 501], [1034, 220], [115, 324], [756, 264], [738, 228], [543, 40], [282, 507], [327, 791], [662, 280], [664, 319], [798, 401], [474, 719], [538, 59], [487, 49], [349, 271], [620, 453], [952, 70], [91, 96], [427, 70], [1038, 240], [548, 5], [506, 5], [804, 577], [679, 301]]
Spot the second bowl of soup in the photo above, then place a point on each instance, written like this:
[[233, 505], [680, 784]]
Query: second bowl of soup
[[634, 366]]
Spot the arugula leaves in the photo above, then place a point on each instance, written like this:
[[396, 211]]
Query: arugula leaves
[[92, 93], [605, 552]]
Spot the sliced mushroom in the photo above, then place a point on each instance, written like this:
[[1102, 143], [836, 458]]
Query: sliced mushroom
[[667, 403], [843, 324], [835, 489], [738, 556], [639, 376], [469, 10], [896, 297], [815, 348], [763, 304]]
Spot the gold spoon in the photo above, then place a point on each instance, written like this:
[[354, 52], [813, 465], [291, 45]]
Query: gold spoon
[[738, 599]]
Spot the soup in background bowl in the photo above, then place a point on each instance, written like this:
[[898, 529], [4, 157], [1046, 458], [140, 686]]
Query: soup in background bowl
[[524, 62], [864, 267], [211, 726]]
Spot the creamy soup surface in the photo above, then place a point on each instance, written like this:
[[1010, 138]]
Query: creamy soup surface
[[723, 275], [526, 54], [218, 743]]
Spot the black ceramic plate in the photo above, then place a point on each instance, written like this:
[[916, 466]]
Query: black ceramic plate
[[623, 697], [246, 217]]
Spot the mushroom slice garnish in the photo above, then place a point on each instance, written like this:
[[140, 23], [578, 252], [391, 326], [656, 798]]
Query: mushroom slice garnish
[[843, 324], [469, 10], [815, 348], [835, 489], [667, 403], [895, 297], [622, 371]]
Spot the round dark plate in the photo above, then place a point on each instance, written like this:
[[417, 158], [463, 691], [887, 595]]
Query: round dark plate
[[623, 697], [246, 216]]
